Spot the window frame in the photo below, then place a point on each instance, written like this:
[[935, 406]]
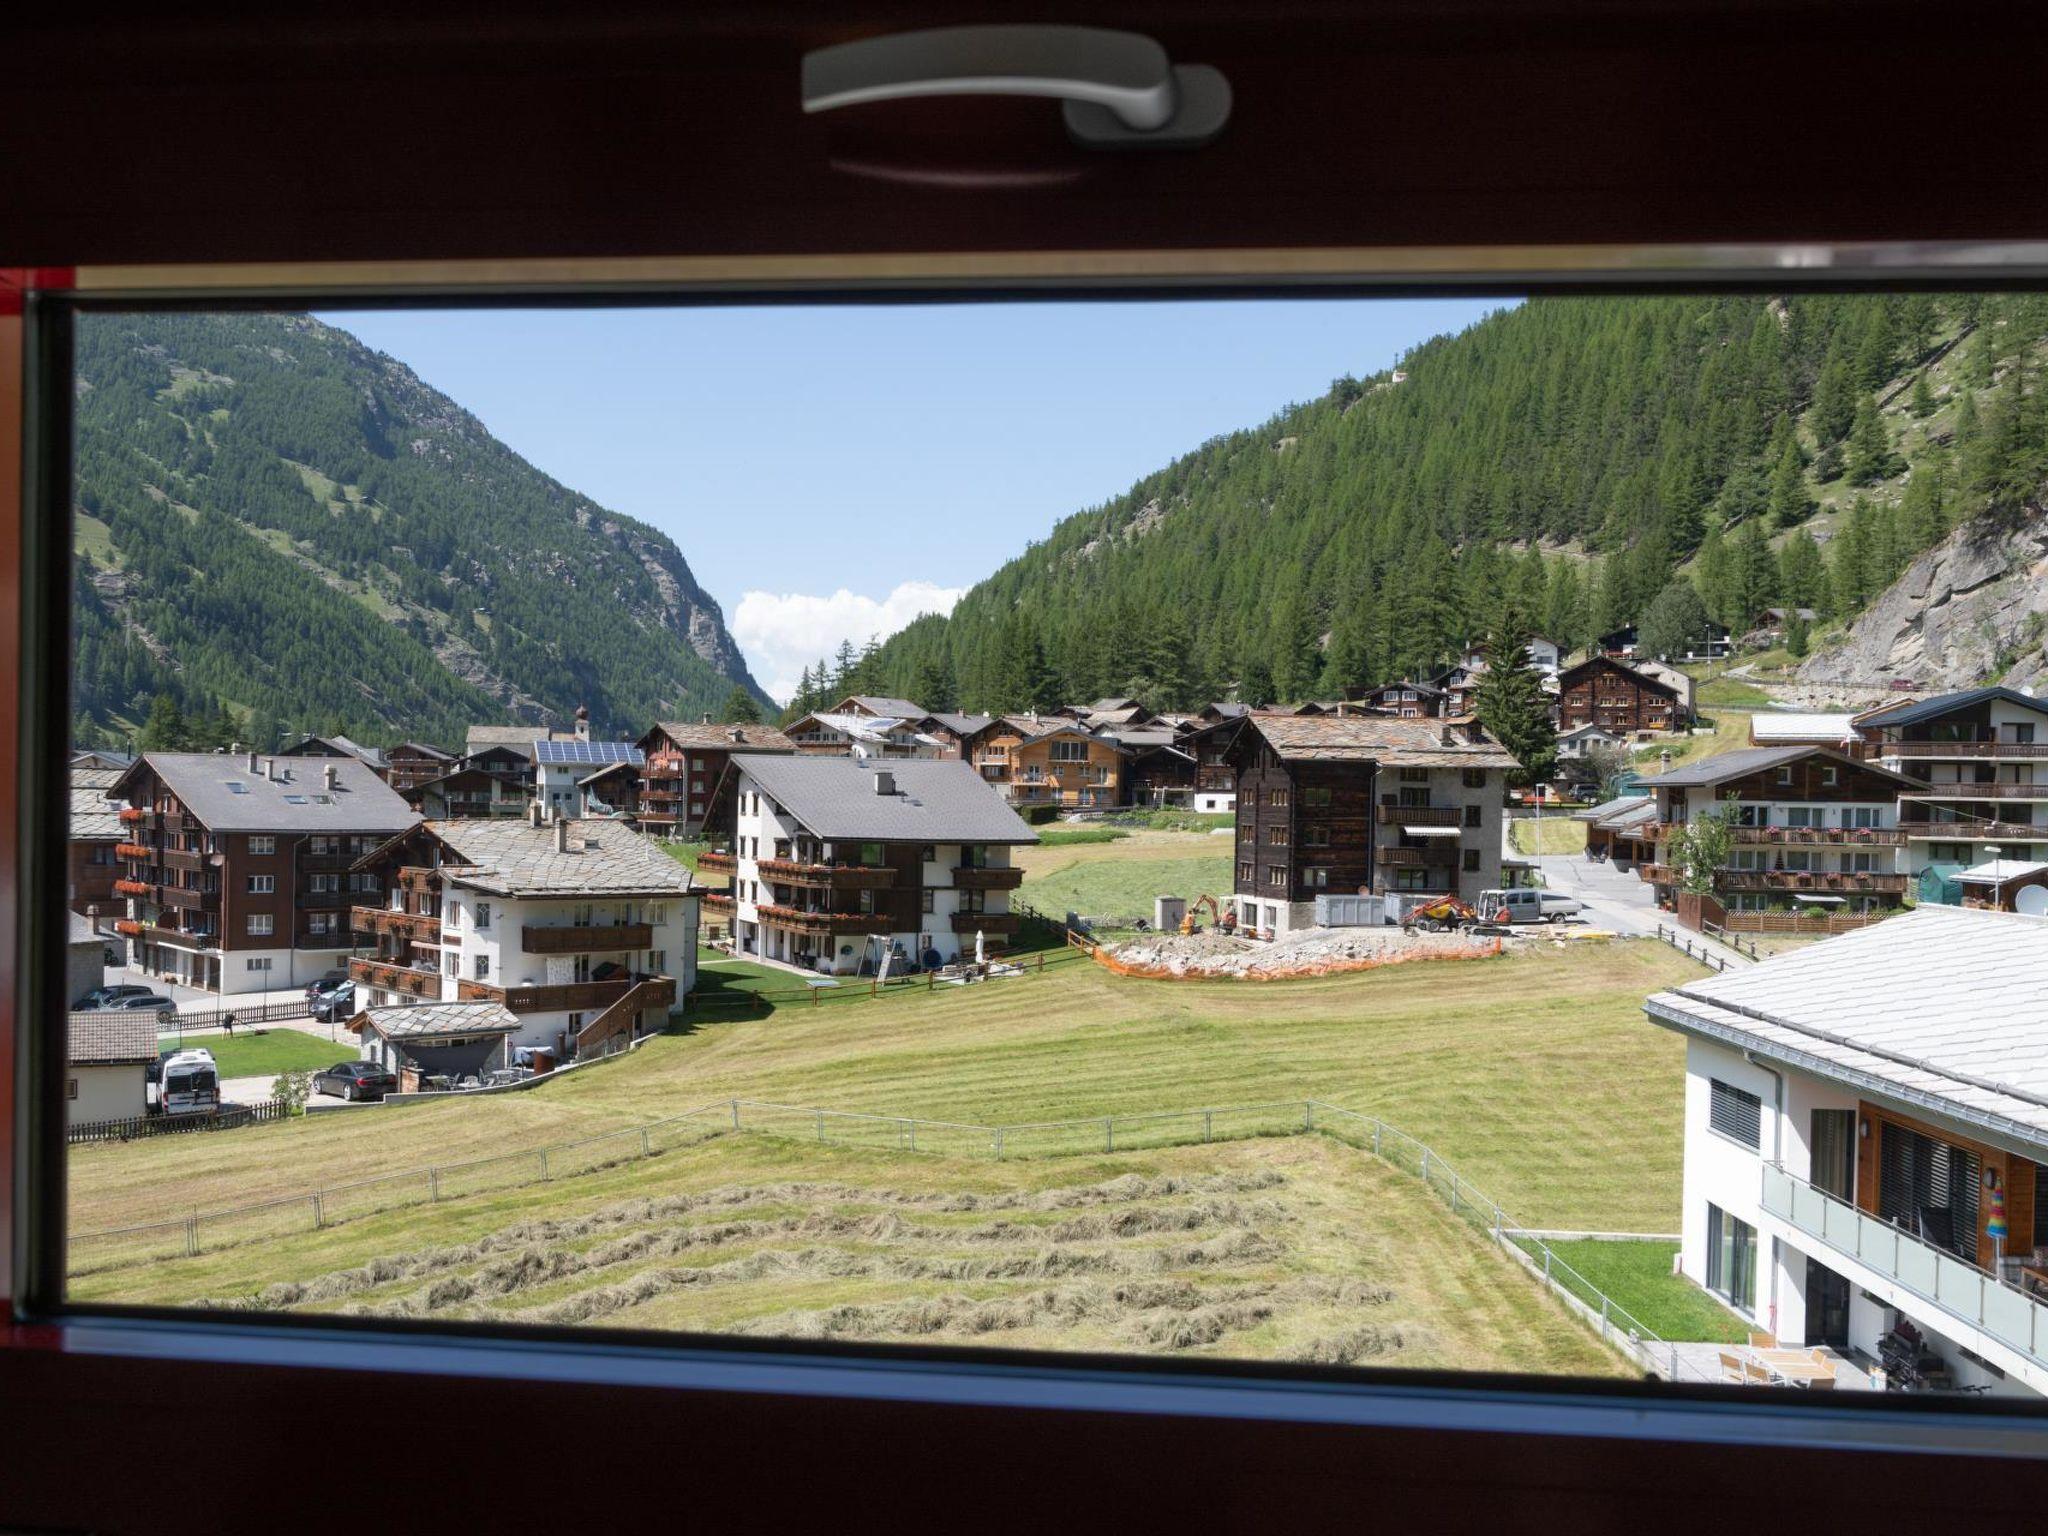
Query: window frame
[[1426, 1401]]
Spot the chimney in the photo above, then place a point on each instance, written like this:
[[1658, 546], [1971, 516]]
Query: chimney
[[270, 769], [327, 777], [1450, 740], [737, 734], [562, 836], [885, 782], [707, 718], [252, 764]]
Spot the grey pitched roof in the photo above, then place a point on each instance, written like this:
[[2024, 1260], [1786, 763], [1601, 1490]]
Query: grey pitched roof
[[875, 704], [338, 746], [297, 800], [520, 738], [94, 818], [1941, 1007], [1746, 760], [101, 757], [1946, 703], [935, 801], [509, 856], [710, 733], [1607, 808], [1377, 739], [426, 1021], [111, 1038], [82, 931], [964, 725]]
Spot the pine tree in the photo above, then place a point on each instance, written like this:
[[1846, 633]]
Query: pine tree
[[1789, 503], [740, 707], [1255, 686], [1922, 402], [1511, 703], [1797, 630], [1870, 448], [1297, 656], [164, 730], [1834, 401], [1802, 572], [1923, 513]]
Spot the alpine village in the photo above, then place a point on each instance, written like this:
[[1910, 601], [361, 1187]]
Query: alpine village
[[1604, 752]]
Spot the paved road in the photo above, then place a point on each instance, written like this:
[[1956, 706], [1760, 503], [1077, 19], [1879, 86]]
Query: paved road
[[1615, 898]]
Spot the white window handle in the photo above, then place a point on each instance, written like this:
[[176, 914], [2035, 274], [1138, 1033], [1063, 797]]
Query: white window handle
[[1119, 89]]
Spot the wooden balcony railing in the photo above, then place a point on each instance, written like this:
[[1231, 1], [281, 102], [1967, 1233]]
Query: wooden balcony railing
[[1974, 831], [416, 926], [621, 1016], [410, 980], [414, 878], [185, 899], [1855, 837], [2036, 791], [828, 877], [983, 877], [827, 922], [1657, 874], [1796, 880], [186, 859], [182, 938], [568, 997], [717, 862], [571, 940], [1419, 816], [2034, 751], [987, 922], [716, 901], [1417, 858]]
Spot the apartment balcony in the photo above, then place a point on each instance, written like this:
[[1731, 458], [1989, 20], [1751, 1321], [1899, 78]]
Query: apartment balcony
[[828, 877], [568, 997], [407, 979], [126, 887], [324, 863], [1416, 858], [184, 899], [135, 851], [719, 902], [325, 901], [987, 922], [2018, 751], [1798, 837], [984, 877], [571, 940], [1796, 880], [189, 860], [717, 863], [2036, 791], [1933, 1286], [1657, 874], [414, 878], [1974, 831], [1419, 815], [827, 923], [416, 927], [132, 816], [175, 938]]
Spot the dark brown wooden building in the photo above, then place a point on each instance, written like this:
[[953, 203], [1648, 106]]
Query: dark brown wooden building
[[684, 762], [1602, 691]]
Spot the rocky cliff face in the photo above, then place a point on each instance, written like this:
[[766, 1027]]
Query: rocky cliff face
[[1972, 610]]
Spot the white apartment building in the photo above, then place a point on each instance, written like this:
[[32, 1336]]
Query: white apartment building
[[861, 735], [1866, 1124], [836, 862], [560, 767], [582, 929], [1982, 756]]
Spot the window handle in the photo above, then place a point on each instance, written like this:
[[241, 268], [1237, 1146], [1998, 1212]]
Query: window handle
[[1119, 90]]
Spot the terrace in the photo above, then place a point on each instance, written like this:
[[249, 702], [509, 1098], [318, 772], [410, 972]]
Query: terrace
[[569, 997], [409, 980], [717, 862], [1809, 880], [827, 877], [826, 922], [984, 877], [570, 939], [416, 926]]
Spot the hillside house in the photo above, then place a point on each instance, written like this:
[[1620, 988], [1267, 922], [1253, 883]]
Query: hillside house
[[1581, 740], [1405, 700], [1361, 803], [101, 757], [1459, 686], [1601, 691], [106, 1059], [560, 767], [520, 738], [372, 758], [1160, 770], [878, 707], [1677, 677], [582, 929], [413, 763], [848, 734], [613, 790], [1215, 776], [1852, 1126], [92, 865], [1617, 643], [238, 870], [1981, 756], [1049, 760], [837, 863], [493, 781], [683, 762], [1812, 829], [954, 732], [1621, 830]]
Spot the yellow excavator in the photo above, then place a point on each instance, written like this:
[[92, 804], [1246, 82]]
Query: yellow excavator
[[1225, 919], [1442, 915]]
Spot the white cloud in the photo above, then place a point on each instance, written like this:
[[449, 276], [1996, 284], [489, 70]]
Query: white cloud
[[782, 633]]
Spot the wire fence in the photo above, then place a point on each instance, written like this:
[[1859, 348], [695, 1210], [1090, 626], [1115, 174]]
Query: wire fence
[[201, 1232]]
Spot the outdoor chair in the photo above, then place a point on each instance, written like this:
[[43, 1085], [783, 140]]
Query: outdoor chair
[[1731, 1368], [1754, 1373], [1759, 1340], [1821, 1384]]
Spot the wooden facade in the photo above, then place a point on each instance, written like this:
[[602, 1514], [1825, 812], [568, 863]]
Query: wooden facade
[[1304, 828], [1159, 775], [2018, 1176], [682, 766], [1602, 691], [1049, 761], [411, 764]]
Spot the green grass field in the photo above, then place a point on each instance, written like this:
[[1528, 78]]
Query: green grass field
[[281, 1050], [1638, 1276], [1067, 837], [1119, 879], [1730, 691], [1547, 834]]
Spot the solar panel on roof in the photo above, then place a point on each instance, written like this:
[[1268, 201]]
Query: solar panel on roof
[[591, 752]]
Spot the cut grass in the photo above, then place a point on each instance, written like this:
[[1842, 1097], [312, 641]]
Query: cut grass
[[1547, 834], [1064, 837], [1638, 1276], [1732, 691], [1534, 1074], [249, 1055], [1118, 880]]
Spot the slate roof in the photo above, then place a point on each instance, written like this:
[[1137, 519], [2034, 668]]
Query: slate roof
[[1943, 1008], [111, 1038], [936, 801], [708, 733], [1745, 760], [1598, 814], [296, 801], [874, 704], [964, 725], [1571, 675], [520, 738], [94, 818], [1111, 706], [427, 1021], [1377, 739], [102, 757], [1934, 708], [509, 856], [339, 746]]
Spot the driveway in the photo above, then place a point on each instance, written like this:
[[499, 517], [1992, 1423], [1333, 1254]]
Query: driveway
[[1615, 898]]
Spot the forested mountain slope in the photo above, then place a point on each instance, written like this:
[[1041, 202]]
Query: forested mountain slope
[[1572, 455], [281, 529]]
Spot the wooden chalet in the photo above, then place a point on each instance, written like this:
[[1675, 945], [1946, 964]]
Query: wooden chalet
[[1602, 691], [682, 766]]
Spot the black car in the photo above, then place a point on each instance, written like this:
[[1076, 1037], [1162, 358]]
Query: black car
[[326, 984], [355, 1080], [338, 1004]]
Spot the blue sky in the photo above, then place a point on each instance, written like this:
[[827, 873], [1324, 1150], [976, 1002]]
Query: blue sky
[[831, 472]]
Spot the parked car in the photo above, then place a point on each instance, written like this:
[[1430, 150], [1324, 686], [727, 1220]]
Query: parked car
[[1527, 904], [101, 997], [338, 1004], [325, 985], [355, 1080], [165, 1010]]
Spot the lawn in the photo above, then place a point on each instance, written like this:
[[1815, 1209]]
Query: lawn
[[1067, 837], [246, 1054], [1535, 1074], [686, 854], [1118, 880], [1638, 1276], [1547, 834], [1737, 691], [1726, 731]]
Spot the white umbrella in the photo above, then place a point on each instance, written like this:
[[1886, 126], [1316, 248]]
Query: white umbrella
[[979, 957], [882, 972]]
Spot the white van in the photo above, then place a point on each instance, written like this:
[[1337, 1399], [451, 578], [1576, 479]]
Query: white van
[[1526, 904], [182, 1083]]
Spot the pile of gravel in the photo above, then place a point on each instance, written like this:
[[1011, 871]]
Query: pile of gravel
[[1214, 954]]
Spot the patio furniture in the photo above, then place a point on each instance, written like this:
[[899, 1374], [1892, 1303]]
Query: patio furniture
[[1731, 1368], [1755, 1373], [1762, 1340]]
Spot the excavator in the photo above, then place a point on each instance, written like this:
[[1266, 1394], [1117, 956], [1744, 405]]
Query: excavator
[[1224, 919], [1443, 915]]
